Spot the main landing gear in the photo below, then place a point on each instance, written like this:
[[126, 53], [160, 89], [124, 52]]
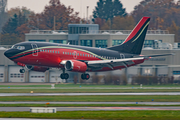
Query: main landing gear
[[64, 75], [85, 76], [22, 70]]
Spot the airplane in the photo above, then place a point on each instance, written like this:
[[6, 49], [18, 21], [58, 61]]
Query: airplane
[[41, 56]]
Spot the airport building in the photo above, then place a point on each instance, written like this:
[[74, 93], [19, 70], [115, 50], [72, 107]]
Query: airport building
[[156, 42]]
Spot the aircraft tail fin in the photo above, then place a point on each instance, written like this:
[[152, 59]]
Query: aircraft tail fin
[[134, 42]]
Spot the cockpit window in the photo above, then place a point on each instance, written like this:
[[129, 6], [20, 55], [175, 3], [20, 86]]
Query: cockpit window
[[18, 47], [12, 46]]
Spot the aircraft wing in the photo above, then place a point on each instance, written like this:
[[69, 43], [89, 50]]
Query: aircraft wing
[[112, 63], [157, 55]]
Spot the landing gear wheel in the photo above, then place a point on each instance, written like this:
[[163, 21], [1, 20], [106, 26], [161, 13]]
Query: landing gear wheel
[[64, 76], [22, 70], [85, 76]]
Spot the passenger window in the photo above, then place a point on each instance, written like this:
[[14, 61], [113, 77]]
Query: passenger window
[[78, 54], [50, 51], [58, 52], [83, 54], [63, 52], [86, 55], [70, 53], [55, 51]]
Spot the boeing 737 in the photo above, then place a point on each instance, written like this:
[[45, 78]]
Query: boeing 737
[[41, 56]]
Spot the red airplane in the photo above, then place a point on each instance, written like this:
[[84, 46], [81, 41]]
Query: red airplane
[[40, 56]]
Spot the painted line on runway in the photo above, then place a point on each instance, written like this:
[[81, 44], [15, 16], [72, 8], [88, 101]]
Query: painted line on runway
[[84, 94]]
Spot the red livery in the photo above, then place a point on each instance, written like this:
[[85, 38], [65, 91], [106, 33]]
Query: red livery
[[40, 56]]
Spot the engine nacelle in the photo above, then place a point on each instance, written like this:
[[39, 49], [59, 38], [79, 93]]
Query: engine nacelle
[[76, 66], [37, 68]]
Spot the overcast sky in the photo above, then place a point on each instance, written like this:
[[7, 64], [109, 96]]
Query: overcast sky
[[78, 5]]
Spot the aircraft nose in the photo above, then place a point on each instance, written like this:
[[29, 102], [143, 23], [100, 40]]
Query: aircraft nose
[[8, 53]]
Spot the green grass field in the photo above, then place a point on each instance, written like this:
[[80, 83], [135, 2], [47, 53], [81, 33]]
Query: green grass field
[[125, 98], [78, 90], [110, 115]]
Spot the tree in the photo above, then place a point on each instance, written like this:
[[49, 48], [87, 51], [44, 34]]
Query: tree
[[17, 10], [108, 9], [162, 12], [119, 23], [3, 14], [118, 9], [55, 10], [166, 11], [123, 23], [9, 39], [175, 30], [99, 10], [13, 23]]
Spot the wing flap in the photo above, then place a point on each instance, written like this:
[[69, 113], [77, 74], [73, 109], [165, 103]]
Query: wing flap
[[112, 63], [116, 61]]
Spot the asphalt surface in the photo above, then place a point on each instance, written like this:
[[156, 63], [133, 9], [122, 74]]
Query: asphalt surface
[[79, 94], [84, 87], [11, 109], [125, 103]]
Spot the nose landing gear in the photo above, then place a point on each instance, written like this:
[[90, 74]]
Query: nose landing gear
[[22, 70]]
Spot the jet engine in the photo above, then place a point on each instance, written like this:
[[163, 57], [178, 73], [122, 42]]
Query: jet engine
[[37, 68], [76, 66]]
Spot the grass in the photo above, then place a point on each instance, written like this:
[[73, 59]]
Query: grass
[[113, 115], [85, 105], [86, 90], [121, 98]]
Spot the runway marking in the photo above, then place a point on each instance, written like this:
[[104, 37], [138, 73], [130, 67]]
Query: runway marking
[[83, 94]]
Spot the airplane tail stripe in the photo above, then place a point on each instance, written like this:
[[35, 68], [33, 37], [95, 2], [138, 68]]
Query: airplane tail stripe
[[137, 28]]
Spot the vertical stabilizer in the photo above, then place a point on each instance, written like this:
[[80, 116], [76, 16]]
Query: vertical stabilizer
[[134, 42]]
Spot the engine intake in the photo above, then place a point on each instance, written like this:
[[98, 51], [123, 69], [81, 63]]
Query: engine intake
[[76, 66]]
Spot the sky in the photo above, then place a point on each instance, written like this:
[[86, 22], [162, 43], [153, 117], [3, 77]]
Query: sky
[[79, 5]]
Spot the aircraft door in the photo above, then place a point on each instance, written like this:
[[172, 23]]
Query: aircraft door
[[122, 56], [35, 49]]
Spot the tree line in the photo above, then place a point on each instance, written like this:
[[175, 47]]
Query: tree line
[[109, 14]]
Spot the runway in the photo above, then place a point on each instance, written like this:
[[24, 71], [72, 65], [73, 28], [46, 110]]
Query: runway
[[84, 87], [88, 103], [82, 94], [11, 109]]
